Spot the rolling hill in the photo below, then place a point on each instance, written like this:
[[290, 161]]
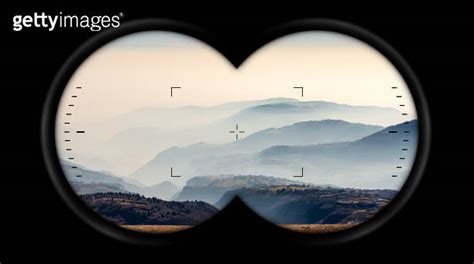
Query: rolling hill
[[312, 205], [211, 188], [133, 209]]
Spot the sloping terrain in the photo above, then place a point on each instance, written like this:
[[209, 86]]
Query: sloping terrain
[[133, 209], [312, 205]]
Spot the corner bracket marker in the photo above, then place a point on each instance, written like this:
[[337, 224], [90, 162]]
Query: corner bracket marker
[[172, 175], [302, 173], [174, 87], [302, 89]]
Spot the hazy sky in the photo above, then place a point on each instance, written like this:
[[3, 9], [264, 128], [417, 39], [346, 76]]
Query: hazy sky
[[138, 70]]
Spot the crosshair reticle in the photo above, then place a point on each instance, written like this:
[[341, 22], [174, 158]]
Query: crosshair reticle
[[316, 132], [236, 132]]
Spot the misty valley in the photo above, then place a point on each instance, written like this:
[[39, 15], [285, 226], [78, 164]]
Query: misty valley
[[294, 163]]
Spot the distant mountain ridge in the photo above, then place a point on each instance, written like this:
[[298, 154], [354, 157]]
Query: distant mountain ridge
[[279, 114], [143, 131], [380, 140], [191, 159], [362, 163], [91, 181], [369, 162], [308, 133]]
